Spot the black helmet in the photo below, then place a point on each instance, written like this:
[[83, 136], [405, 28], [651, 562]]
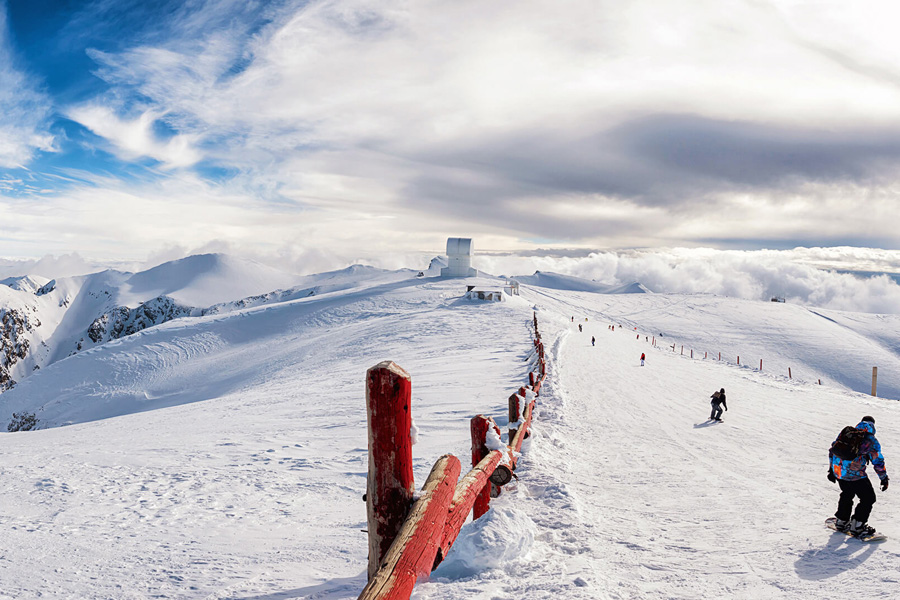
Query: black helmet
[[869, 419], [722, 390]]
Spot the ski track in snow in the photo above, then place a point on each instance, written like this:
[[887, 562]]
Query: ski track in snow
[[624, 491], [636, 495]]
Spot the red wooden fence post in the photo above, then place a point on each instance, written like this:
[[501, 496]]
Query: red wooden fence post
[[419, 540], [789, 373], [692, 353], [682, 349], [390, 487], [704, 354], [531, 378], [739, 359], [760, 364], [720, 356], [514, 412], [479, 427]]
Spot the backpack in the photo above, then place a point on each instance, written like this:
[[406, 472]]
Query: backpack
[[846, 446]]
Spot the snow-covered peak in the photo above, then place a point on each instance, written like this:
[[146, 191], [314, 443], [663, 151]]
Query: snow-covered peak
[[28, 283], [204, 280]]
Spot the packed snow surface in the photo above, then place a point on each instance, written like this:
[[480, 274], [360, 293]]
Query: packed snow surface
[[224, 456]]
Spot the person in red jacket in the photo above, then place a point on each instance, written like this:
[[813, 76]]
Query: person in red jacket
[[643, 356]]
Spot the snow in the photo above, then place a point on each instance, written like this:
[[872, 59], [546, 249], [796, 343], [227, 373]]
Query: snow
[[203, 280], [224, 456]]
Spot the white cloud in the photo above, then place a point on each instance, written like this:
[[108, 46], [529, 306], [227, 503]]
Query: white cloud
[[813, 276], [467, 111], [24, 110], [135, 138]]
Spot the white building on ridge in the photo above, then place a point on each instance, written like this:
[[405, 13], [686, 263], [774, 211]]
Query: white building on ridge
[[459, 258]]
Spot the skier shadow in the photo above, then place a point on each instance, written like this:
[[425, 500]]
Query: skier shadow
[[841, 553], [706, 423]]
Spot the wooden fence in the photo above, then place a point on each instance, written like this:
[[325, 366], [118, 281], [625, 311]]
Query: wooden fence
[[410, 534]]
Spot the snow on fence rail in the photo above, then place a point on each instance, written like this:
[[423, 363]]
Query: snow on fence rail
[[410, 534]]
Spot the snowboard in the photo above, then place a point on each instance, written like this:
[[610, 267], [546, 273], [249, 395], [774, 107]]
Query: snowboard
[[875, 537]]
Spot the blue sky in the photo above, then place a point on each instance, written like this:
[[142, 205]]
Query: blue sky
[[138, 130]]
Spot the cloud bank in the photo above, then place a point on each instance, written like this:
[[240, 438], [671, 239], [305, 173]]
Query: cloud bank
[[853, 279]]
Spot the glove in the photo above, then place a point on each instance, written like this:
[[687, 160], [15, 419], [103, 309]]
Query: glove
[[884, 483], [831, 476]]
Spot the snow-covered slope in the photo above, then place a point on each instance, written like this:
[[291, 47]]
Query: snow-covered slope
[[203, 280], [223, 455], [558, 281], [57, 318]]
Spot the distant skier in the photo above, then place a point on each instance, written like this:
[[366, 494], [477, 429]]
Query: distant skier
[[718, 401], [579, 327], [643, 356], [850, 474], [593, 341]]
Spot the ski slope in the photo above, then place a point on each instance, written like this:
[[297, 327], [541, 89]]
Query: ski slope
[[224, 456]]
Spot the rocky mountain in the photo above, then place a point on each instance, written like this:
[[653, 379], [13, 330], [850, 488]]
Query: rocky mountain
[[14, 343], [43, 321]]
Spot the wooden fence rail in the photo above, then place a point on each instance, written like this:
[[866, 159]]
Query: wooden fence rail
[[407, 540]]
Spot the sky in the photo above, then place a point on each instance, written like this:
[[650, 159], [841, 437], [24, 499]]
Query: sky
[[330, 131]]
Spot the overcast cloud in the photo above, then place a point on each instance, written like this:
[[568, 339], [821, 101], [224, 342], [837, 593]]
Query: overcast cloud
[[363, 127]]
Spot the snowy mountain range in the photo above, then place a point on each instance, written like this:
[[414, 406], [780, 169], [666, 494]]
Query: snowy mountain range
[[43, 321], [215, 439]]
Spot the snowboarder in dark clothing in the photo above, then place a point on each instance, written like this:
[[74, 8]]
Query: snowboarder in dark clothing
[[579, 328], [718, 401], [851, 476], [593, 340]]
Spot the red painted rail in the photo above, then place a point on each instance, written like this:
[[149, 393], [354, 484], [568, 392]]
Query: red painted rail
[[408, 540]]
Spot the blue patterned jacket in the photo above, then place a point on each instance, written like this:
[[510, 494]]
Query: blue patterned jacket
[[869, 451]]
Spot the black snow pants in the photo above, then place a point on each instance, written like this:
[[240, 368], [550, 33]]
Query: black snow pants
[[716, 411], [861, 488]]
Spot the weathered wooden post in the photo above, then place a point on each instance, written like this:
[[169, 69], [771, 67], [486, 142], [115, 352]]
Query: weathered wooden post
[[390, 486], [692, 353], [514, 412], [789, 373], [760, 364], [531, 378], [874, 380], [739, 359], [419, 540], [479, 428]]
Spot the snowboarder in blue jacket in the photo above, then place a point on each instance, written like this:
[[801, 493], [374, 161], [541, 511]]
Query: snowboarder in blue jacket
[[851, 476]]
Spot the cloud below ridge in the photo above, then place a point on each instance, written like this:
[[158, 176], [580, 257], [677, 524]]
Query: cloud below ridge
[[820, 277]]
